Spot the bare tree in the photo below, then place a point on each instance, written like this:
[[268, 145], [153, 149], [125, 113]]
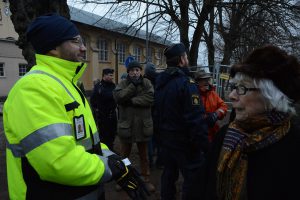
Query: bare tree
[[24, 11], [247, 24], [188, 18]]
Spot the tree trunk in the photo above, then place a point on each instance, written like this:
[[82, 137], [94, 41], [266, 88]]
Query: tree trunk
[[24, 11], [206, 9], [210, 41]]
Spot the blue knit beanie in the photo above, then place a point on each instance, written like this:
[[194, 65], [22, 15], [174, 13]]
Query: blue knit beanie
[[47, 32]]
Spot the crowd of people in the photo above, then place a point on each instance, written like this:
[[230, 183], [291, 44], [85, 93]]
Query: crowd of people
[[60, 148]]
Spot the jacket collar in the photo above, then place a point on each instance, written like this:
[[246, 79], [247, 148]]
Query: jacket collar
[[67, 69]]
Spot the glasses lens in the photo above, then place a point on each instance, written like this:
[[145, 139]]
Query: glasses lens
[[241, 90], [232, 86], [78, 41]]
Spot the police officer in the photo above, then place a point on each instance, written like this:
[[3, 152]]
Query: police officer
[[53, 148], [181, 126], [104, 107]]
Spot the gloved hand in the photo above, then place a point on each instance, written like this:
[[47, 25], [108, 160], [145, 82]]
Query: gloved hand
[[126, 103], [211, 119], [135, 81], [127, 178]]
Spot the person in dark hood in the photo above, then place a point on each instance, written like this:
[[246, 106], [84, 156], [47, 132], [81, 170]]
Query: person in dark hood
[[181, 126]]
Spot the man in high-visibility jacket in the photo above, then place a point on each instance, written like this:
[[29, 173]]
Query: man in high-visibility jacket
[[53, 148]]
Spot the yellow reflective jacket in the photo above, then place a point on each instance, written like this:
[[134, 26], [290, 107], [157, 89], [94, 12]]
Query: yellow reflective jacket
[[53, 148]]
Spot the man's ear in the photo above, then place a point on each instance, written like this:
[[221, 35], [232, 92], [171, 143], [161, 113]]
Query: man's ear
[[181, 61], [54, 52]]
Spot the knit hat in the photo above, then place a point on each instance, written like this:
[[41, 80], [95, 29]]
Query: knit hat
[[174, 50], [107, 71], [202, 74], [150, 71], [47, 32], [134, 64], [270, 62]]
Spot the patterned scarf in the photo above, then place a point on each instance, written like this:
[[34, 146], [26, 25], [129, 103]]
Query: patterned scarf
[[242, 137]]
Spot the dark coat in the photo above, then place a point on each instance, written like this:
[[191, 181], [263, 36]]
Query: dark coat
[[102, 99], [104, 109], [179, 112], [273, 172]]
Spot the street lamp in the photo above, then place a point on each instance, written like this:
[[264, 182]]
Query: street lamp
[[147, 34]]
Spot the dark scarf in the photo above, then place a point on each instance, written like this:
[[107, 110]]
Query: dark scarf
[[242, 137]]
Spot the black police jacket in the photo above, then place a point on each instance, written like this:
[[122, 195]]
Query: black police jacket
[[102, 100], [179, 112]]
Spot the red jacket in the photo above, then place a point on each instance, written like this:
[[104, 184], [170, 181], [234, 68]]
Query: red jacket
[[212, 102]]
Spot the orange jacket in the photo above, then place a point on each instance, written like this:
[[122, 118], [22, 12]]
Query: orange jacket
[[212, 102]]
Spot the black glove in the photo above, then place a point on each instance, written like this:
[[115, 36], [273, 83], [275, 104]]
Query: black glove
[[211, 119], [128, 178], [126, 103], [136, 81]]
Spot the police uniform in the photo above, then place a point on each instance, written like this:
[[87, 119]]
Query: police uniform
[[104, 107], [179, 119]]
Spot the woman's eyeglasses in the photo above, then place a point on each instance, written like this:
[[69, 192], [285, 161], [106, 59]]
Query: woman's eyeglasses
[[241, 89]]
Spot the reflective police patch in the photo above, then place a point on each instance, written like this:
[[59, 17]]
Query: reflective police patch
[[192, 80], [195, 99], [79, 127]]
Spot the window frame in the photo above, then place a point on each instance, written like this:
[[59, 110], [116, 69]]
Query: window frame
[[2, 69], [137, 54], [103, 54], [20, 72], [121, 52], [85, 43]]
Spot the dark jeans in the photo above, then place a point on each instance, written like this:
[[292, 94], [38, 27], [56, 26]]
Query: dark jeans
[[192, 170], [107, 131]]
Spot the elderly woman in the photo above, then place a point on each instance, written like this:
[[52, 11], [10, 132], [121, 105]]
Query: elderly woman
[[257, 155]]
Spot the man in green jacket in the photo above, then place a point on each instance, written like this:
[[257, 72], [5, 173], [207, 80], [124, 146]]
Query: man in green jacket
[[135, 96], [53, 148]]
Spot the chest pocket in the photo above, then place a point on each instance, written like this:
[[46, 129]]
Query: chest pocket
[[69, 106]]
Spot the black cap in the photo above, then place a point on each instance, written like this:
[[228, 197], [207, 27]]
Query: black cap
[[107, 71], [48, 31], [134, 64], [174, 50]]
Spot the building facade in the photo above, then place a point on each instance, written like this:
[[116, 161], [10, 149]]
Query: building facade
[[109, 44], [12, 63]]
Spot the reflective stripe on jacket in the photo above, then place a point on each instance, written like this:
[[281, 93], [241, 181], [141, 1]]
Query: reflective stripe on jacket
[[46, 153]]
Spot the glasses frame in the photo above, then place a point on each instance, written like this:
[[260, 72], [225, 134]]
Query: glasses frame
[[240, 88], [77, 41]]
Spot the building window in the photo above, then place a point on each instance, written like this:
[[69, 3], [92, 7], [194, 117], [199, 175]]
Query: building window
[[85, 43], [137, 52], [103, 50], [150, 55], [2, 70], [121, 52], [22, 69], [159, 57]]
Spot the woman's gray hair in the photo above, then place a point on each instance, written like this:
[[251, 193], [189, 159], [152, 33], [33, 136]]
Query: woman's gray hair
[[275, 99]]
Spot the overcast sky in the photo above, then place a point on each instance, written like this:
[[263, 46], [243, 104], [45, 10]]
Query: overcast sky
[[102, 10]]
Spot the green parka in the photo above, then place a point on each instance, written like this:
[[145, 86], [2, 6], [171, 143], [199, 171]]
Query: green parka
[[134, 102]]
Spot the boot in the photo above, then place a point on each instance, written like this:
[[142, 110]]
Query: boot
[[149, 186], [118, 188]]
